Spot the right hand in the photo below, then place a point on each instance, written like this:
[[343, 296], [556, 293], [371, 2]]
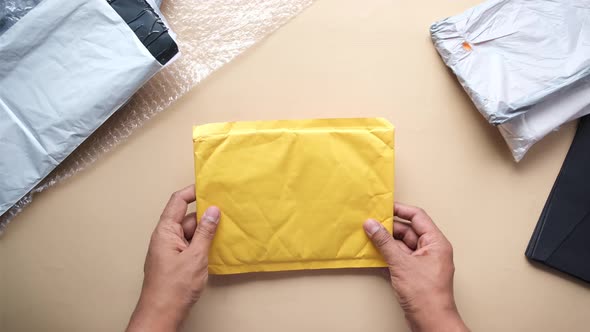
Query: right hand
[[420, 260]]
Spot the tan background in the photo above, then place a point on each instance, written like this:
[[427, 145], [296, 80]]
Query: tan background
[[73, 260]]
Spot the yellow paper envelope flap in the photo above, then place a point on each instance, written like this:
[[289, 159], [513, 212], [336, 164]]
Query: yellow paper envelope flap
[[249, 127], [294, 193]]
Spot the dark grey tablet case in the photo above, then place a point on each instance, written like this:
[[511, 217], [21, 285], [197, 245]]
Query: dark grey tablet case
[[561, 238]]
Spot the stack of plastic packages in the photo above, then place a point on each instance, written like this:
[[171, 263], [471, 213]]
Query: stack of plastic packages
[[524, 64], [65, 68]]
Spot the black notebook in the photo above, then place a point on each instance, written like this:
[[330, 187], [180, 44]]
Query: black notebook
[[561, 239]]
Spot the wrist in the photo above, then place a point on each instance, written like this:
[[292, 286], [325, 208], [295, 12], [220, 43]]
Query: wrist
[[152, 314], [438, 314]]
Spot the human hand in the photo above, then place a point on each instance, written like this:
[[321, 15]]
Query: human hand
[[175, 270], [420, 260]]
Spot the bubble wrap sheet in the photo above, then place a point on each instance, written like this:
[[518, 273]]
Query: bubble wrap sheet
[[209, 35], [13, 10]]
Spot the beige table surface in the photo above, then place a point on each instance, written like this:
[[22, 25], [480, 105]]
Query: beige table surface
[[73, 260]]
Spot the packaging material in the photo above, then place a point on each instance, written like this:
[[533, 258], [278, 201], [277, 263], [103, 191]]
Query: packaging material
[[295, 193], [526, 129], [13, 10], [210, 34], [66, 67], [560, 239], [149, 27], [524, 64], [511, 55]]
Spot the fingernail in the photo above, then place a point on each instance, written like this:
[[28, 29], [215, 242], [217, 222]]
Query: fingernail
[[371, 226], [211, 214]]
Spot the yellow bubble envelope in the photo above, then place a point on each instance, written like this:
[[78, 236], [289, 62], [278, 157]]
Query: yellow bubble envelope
[[294, 194]]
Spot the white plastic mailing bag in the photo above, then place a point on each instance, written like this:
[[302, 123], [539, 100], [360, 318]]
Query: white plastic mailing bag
[[523, 131], [519, 61], [65, 67]]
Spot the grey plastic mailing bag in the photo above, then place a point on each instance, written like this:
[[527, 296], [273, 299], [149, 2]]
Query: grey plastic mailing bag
[[11, 11], [528, 128], [518, 58], [65, 67]]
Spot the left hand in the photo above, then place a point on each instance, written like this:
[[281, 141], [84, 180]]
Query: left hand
[[176, 266]]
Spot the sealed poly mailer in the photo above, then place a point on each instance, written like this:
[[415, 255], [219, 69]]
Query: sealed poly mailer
[[294, 194], [524, 64], [65, 68], [511, 55]]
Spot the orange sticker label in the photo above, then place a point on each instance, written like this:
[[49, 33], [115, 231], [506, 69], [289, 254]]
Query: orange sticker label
[[467, 46]]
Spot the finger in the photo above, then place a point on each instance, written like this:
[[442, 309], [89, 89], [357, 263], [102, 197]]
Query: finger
[[406, 234], [205, 231], [421, 222], [175, 209], [189, 224], [392, 250]]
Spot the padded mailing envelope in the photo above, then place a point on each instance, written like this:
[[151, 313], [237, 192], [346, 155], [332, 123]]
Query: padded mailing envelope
[[294, 194]]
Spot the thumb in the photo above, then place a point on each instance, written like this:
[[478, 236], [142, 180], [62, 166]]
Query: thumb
[[205, 231], [384, 241]]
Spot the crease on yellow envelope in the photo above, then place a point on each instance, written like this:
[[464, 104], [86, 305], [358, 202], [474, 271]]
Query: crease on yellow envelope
[[295, 193]]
